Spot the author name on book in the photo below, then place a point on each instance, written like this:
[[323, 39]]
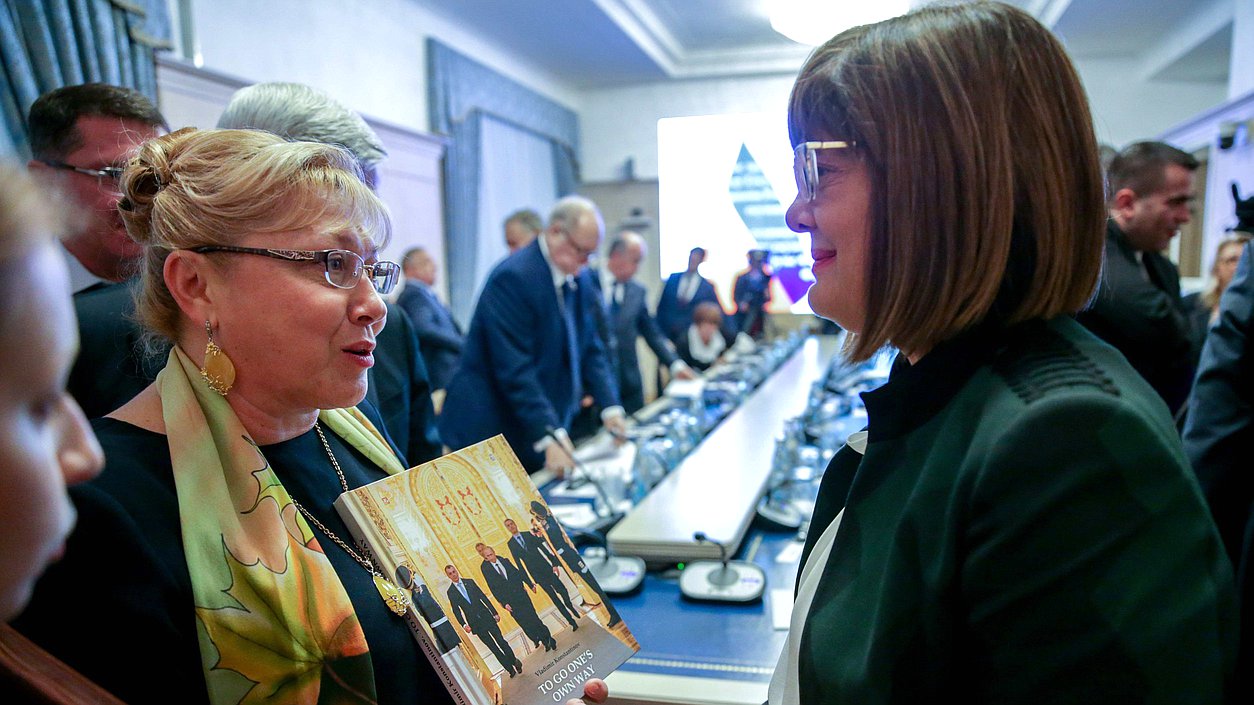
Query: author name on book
[[569, 677]]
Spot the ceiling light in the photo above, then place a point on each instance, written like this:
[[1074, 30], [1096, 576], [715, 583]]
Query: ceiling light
[[813, 22]]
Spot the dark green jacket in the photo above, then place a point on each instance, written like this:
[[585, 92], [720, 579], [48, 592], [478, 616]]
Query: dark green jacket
[[1023, 528]]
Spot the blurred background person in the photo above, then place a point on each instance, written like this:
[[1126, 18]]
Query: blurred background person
[[439, 335], [533, 347], [44, 439], [521, 227], [681, 294], [1203, 306], [1020, 524], [1219, 442], [704, 341], [81, 136], [627, 302], [1138, 308], [752, 292]]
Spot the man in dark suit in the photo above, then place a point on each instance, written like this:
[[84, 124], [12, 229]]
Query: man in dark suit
[[629, 319], [474, 611], [1138, 308], [438, 334], [508, 584], [533, 556], [532, 348], [681, 295]]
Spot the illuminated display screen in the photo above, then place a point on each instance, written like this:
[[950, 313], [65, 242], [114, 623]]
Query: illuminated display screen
[[724, 184]]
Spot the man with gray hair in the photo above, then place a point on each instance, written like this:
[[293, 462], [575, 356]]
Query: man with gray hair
[[399, 385], [521, 227], [533, 347]]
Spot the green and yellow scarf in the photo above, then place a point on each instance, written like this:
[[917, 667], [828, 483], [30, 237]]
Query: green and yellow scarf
[[274, 622]]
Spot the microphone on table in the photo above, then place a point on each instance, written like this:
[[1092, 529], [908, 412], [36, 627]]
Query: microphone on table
[[587, 476], [617, 575], [723, 580]]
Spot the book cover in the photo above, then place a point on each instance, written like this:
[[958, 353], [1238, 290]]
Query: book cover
[[503, 604]]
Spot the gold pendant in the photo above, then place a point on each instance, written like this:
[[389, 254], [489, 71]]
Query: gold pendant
[[395, 598]]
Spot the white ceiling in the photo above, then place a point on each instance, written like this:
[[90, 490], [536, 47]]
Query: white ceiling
[[596, 43]]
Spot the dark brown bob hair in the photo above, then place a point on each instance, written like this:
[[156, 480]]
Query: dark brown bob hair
[[987, 198]]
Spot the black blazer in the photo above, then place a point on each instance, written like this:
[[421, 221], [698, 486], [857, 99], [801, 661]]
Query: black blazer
[[1144, 318], [508, 590]]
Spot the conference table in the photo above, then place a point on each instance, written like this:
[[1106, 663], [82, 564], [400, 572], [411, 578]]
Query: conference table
[[705, 652]]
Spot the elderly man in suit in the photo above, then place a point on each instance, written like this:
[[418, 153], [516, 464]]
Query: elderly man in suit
[[509, 584], [474, 611], [681, 295], [438, 334], [533, 349], [629, 319], [534, 556]]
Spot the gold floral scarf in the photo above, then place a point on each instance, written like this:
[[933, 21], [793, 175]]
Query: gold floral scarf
[[274, 622]]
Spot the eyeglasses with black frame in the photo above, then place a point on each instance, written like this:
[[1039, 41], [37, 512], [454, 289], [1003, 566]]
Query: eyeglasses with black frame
[[343, 268], [112, 173], [805, 165]]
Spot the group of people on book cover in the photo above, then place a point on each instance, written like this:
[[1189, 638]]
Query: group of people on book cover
[[536, 561]]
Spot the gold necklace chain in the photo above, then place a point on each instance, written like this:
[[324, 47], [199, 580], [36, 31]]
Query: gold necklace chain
[[396, 599]]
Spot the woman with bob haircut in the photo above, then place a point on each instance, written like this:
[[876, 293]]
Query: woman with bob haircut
[[1018, 524], [210, 540]]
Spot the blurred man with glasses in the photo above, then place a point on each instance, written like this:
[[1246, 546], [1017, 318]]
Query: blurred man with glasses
[[81, 137], [533, 348]]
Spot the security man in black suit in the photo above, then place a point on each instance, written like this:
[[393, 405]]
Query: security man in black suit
[[509, 586], [445, 635], [534, 557], [477, 616], [1138, 308]]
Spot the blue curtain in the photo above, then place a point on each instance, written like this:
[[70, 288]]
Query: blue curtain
[[46, 44], [461, 93]]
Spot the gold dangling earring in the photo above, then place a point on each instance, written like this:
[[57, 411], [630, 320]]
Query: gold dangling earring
[[218, 371]]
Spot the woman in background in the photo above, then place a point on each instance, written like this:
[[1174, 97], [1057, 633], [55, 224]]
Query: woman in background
[[703, 343], [1020, 525], [1203, 306], [45, 442]]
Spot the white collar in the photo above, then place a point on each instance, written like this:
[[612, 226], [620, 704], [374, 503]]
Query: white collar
[[559, 277], [701, 350]]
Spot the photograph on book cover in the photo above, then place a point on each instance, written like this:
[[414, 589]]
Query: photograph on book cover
[[504, 597]]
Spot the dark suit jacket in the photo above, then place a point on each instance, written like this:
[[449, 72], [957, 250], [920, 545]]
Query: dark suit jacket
[[478, 612], [673, 316], [1144, 318], [439, 337], [510, 589], [630, 320], [1219, 440], [514, 376], [111, 369], [534, 557]]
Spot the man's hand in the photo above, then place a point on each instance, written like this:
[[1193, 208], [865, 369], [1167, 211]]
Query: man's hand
[[594, 691], [496, 617], [685, 372], [467, 628], [586, 401], [617, 426], [507, 609], [557, 457]]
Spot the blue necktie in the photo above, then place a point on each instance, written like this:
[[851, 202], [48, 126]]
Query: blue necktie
[[569, 313]]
